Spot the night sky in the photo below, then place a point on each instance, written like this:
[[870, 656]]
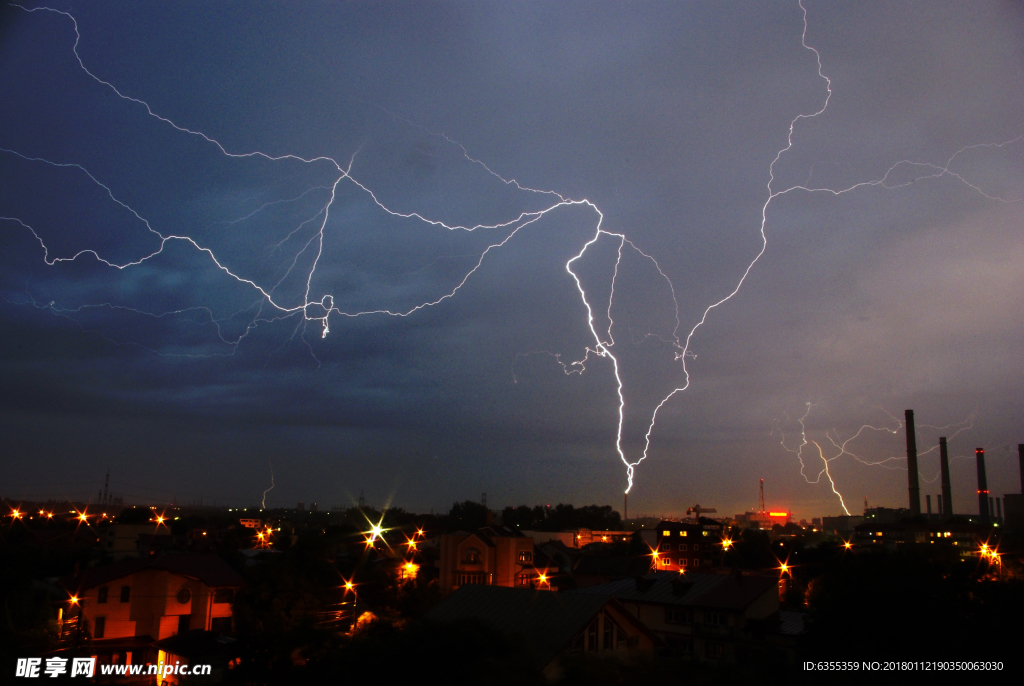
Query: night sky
[[174, 350]]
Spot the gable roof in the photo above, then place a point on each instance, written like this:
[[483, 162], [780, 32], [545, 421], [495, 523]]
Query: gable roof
[[210, 569], [716, 591], [546, 620]]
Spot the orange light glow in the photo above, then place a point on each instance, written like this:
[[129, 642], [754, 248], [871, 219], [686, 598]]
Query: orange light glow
[[74, 600], [419, 532], [543, 578], [778, 514], [726, 543], [348, 586], [82, 517], [16, 514], [847, 545]]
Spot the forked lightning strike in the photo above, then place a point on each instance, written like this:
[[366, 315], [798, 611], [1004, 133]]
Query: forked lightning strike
[[321, 310], [841, 448]]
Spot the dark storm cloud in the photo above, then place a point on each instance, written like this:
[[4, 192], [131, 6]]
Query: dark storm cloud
[[665, 115]]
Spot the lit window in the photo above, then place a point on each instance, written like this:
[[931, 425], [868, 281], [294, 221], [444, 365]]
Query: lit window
[[666, 533], [684, 533], [525, 556], [472, 557]]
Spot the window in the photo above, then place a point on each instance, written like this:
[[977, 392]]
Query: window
[[524, 579], [592, 636], [666, 533], [183, 622], [684, 533], [223, 595], [682, 546], [682, 562], [126, 594], [609, 634], [101, 595], [525, 556], [99, 627], [715, 619], [472, 557], [714, 650], [696, 562], [668, 547], [184, 595], [696, 546], [678, 616]]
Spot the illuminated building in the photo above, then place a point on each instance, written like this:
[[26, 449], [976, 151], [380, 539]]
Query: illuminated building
[[966, 537], [683, 546], [130, 605], [491, 556], [557, 626], [718, 617]]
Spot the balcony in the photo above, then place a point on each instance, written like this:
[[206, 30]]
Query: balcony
[[469, 578]]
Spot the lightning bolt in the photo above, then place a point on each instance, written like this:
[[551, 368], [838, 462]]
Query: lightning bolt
[[273, 306], [840, 447], [263, 503]]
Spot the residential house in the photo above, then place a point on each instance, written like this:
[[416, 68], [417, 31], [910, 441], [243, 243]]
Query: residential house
[[491, 556], [553, 626], [130, 605], [703, 616], [684, 546]]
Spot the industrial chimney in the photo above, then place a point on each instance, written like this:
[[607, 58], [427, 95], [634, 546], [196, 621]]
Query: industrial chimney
[[1020, 456], [979, 454], [946, 509], [912, 479]]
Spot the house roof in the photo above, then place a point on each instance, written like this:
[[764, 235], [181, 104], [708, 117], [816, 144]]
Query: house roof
[[718, 591], [600, 565], [546, 620], [210, 569]]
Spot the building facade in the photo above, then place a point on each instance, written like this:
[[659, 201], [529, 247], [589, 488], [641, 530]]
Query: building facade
[[491, 556], [683, 546]]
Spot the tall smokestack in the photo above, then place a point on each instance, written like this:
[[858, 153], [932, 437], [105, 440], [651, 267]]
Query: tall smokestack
[[947, 490], [915, 489], [1020, 456], [979, 455]]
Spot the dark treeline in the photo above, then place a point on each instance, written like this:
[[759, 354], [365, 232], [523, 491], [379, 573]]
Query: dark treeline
[[561, 517]]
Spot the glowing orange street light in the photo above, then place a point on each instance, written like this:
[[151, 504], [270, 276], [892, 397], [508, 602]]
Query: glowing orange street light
[[847, 545], [349, 586], [726, 543], [73, 600], [16, 514], [419, 532], [82, 517], [542, 578]]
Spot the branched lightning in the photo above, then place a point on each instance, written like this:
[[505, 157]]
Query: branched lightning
[[841, 448], [272, 306]]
